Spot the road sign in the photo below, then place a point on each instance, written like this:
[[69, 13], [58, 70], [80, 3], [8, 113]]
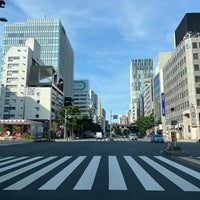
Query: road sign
[[173, 136]]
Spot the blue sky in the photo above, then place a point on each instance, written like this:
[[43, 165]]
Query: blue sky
[[106, 35]]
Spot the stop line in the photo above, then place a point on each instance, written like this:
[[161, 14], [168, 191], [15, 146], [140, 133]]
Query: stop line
[[17, 173]]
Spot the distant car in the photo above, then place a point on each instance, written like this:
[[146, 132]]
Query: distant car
[[133, 136], [157, 138]]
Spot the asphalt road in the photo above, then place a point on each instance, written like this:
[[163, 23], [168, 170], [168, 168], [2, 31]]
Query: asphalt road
[[97, 170]]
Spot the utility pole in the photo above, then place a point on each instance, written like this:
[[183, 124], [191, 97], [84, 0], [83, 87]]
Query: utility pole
[[110, 124], [65, 124]]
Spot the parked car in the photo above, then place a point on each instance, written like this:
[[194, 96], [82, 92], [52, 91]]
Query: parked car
[[133, 136], [157, 138]]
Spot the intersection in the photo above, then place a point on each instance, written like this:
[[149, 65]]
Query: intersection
[[102, 170]]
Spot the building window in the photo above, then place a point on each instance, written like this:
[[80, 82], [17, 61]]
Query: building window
[[13, 58], [194, 45], [198, 102], [37, 108], [198, 90], [196, 67], [195, 56], [197, 78]]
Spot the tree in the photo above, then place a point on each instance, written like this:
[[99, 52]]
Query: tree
[[145, 123], [71, 115]]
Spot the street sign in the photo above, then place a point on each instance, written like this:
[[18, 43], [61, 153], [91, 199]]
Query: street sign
[[173, 136]]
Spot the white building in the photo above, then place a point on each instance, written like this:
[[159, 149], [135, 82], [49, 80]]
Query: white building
[[81, 96], [29, 89]]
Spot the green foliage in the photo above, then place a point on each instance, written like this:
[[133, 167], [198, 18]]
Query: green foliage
[[76, 121], [145, 123], [28, 137]]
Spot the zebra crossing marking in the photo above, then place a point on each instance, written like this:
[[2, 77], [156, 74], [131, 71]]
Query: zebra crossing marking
[[182, 168], [31, 178], [13, 160], [58, 179], [180, 182], [19, 163], [87, 179], [145, 179], [6, 158], [116, 179], [24, 169]]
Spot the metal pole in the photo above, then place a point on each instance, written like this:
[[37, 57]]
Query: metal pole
[[110, 124], [65, 125]]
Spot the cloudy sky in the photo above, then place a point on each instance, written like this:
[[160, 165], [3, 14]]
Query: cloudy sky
[[106, 35]]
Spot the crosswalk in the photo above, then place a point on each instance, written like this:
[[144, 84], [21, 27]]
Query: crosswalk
[[102, 140], [53, 172]]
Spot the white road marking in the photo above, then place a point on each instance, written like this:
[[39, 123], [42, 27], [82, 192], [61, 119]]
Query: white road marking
[[180, 167], [116, 179], [87, 179], [58, 179], [31, 178], [13, 160], [24, 169], [19, 163], [145, 179], [180, 182]]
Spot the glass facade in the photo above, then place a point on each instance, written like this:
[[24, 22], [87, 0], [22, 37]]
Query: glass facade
[[140, 70], [55, 47]]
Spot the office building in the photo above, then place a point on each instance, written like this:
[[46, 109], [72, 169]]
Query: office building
[[140, 70], [188, 25], [94, 106], [56, 50], [181, 76], [81, 96], [29, 89]]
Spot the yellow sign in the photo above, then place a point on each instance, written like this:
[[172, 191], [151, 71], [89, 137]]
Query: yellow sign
[[173, 136]]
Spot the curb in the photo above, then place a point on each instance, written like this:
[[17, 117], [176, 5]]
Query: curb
[[175, 151]]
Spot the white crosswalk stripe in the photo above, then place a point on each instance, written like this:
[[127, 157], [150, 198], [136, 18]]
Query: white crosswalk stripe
[[146, 180], [180, 182], [24, 169], [180, 167], [87, 179], [29, 179], [22, 172], [55, 182], [116, 180]]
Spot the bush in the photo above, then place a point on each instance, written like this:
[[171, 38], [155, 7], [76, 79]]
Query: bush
[[28, 137]]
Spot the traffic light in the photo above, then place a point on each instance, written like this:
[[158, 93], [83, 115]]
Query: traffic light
[[2, 4]]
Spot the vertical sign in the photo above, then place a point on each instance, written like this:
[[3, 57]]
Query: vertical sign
[[163, 103]]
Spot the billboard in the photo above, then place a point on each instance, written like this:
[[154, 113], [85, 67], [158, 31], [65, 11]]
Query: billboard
[[81, 86], [58, 82]]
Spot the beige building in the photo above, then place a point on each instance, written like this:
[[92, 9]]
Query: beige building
[[181, 84]]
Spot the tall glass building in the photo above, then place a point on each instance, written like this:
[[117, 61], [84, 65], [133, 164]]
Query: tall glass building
[[140, 70], [55, 46]]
